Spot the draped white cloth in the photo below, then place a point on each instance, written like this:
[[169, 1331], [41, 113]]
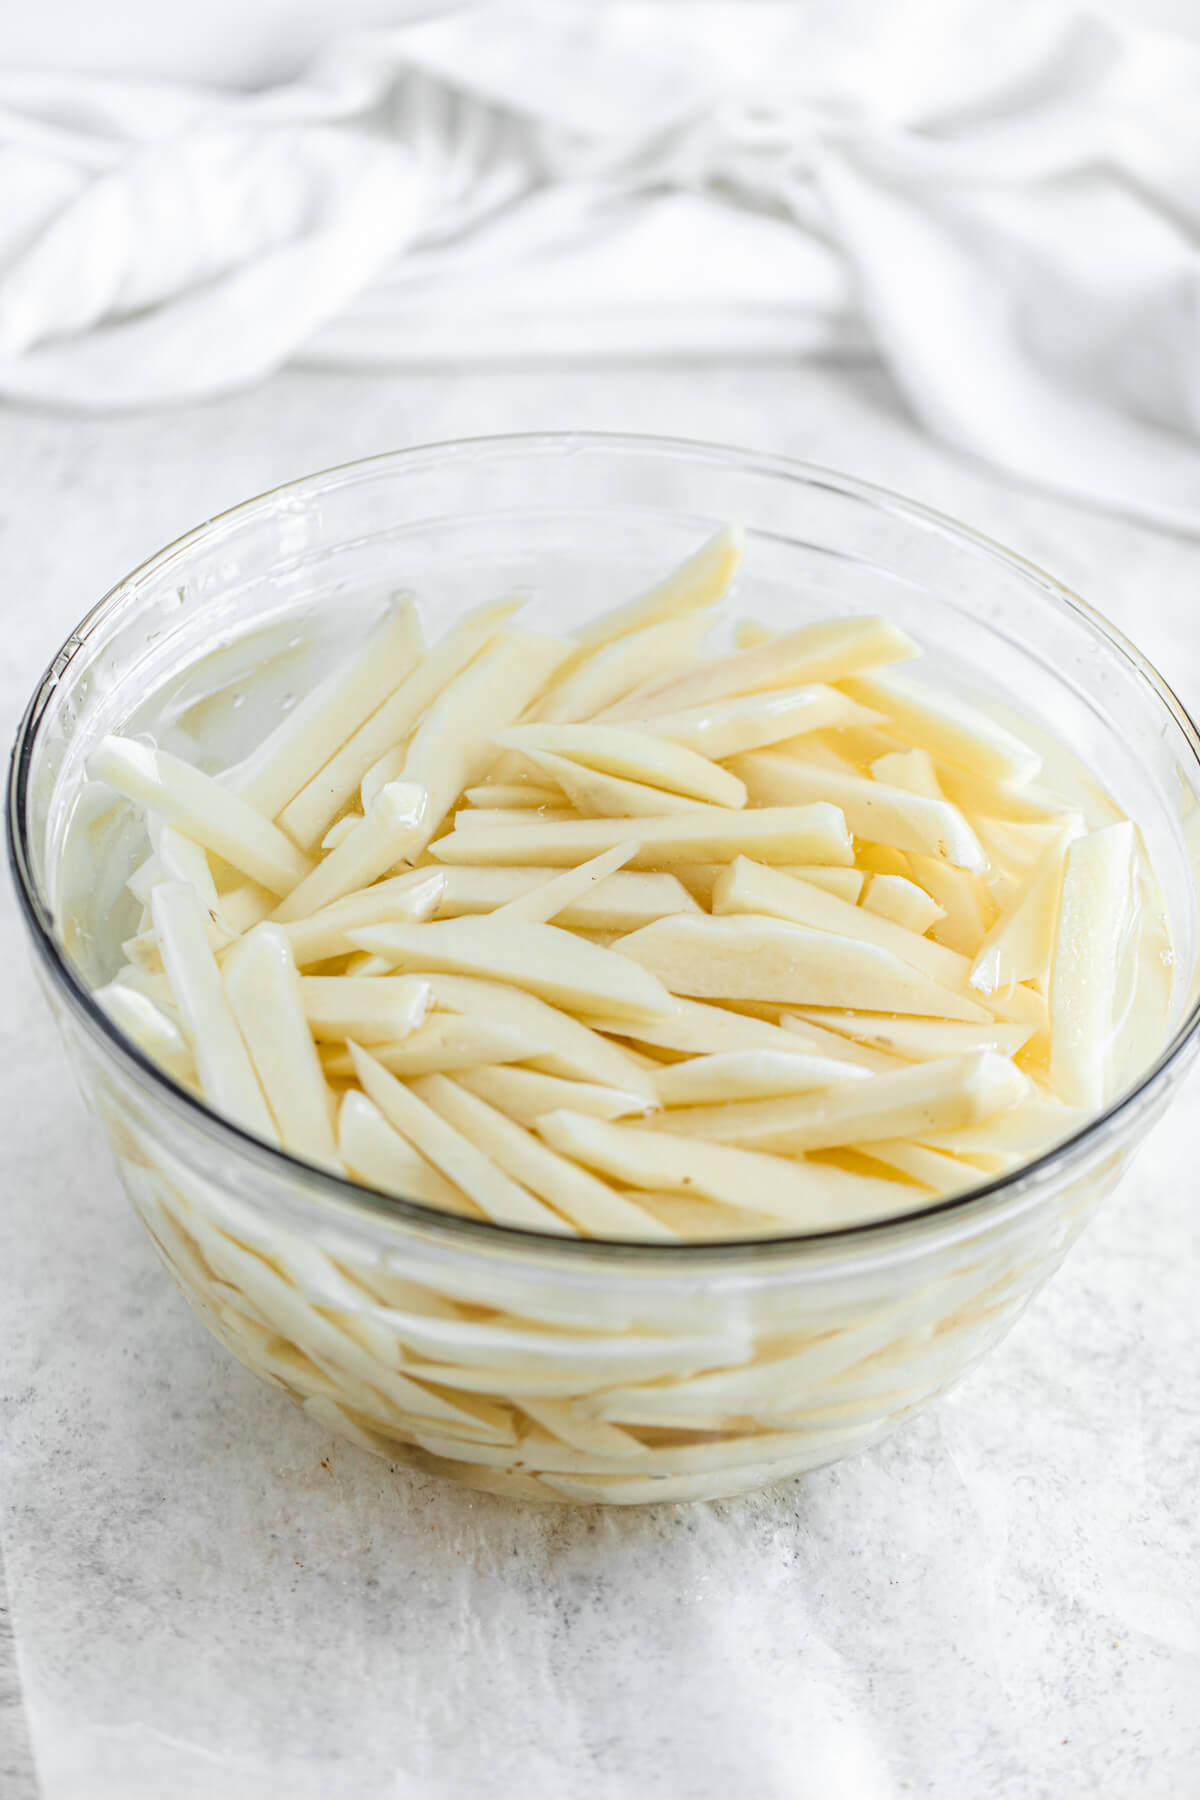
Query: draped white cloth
[[1007, 212]]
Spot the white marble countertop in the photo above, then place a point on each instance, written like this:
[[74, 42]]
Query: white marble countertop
[[210, 1598]]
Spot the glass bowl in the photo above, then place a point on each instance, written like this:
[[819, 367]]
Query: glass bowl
[[544, 1367]]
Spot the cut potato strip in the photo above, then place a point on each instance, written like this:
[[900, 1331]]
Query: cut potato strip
[[620, 902], [883, 815], [748, 887], [1094, 914], [608, 673], [226, 1075], [542, 904], [814, 1040], [896, 898], [586, 1201], [150, 1028], [934, 1168], [694, 586], [1020, 945], [378, 1156], [444, 1043], [962, 898], [317, 804], [337, 834], [847, 884], [454, 745], [319, 723], [263, 988], [750, 1075], [919, 1040], [600, 796], [631, 755], [573, 1050], [1011, 1138], [376, 1009], [787, 834], [561, 1420], [1029, 805], [933, 1096], [498, 1197], [826, 652], [467, 819], [513, 796], [726, 727], [322, 934], [939, 722], [182, 859], [750, 957], [912, 770], [705, 1221], [202, 809], [545, 960], [695, 1029], [525, 1094], [805, 1196], [246, 905], [396, 822]]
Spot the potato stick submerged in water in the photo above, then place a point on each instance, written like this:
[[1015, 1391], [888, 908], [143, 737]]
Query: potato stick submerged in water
[[317, 804], [201, 808], [773, 834], [320, 722], [264, 991], [686, 944], [227, 1077], [632, 755]]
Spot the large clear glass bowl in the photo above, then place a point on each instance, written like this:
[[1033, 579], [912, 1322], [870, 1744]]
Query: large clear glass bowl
[[544, 1367]]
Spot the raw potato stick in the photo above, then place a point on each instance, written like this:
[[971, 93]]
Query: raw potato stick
[[750, 1075], [751, 957], [946, 726], [227, 1078], [376, 1009], [500, 1198], [202, 809], [1093, 916], [544, 959], [884, 815], [151, 1029], [319, 724], [896, 898], [1020, 945], [263, 989], [445, 1042], [453, 747], [727, 727], [919, 1040], [609, 672], [803, 1196], [376, 1154], [315, 807], [632, 755], [621, 902], [589, 1203], [929, 1097], [514, 796], [574, 1051], [394, 824], [322, 934], [693, 587], [787, 834], [826, 652], [542, 904], [747, 887], [599, 796], [525, 1094]]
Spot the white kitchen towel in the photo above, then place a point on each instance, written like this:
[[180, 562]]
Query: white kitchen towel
[[1001, 202]]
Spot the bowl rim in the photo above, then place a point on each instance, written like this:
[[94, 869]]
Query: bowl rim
[[357, 1198]]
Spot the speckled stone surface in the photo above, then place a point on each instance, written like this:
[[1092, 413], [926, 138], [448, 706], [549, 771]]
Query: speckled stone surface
[[211, 1598]]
